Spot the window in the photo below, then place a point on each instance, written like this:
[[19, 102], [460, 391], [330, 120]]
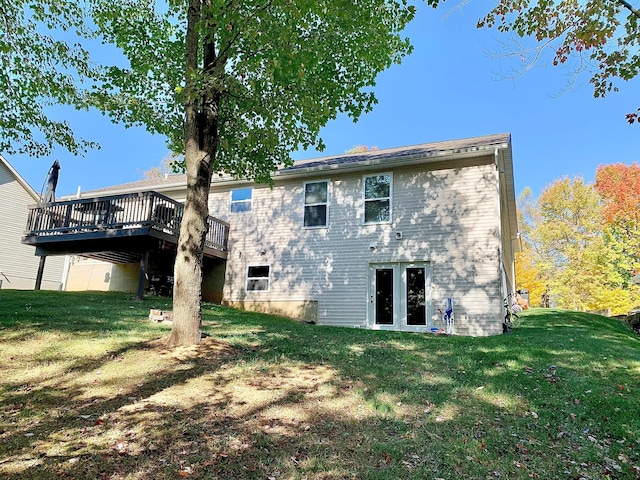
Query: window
[[377, 198], [241, 200], [258, 278], [315, 204]]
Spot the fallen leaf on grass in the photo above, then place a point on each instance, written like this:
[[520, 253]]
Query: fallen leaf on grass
[[387, 459]]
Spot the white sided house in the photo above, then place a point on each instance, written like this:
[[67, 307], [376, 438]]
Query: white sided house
[[376, 240], [18, 264]]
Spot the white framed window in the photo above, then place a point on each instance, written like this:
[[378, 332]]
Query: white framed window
[[241, 200], [316, 204], [377, 198], [258, 278]]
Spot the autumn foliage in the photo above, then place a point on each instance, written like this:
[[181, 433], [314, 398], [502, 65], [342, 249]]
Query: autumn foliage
[[582, 241], [619, 186]]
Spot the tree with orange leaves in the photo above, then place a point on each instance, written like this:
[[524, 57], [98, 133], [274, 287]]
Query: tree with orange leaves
[[619, 186]]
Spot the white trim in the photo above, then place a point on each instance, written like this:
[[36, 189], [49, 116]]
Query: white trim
[[305, 205], [399, 296], [364, 199], [247, 278]]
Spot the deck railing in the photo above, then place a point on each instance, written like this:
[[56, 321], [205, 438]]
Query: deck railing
[[144, 209]]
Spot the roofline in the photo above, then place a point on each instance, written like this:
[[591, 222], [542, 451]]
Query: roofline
[[301, 171], [21, 180], [408, 160]]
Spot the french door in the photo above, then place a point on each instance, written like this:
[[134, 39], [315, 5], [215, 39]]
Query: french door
[[399, 296]]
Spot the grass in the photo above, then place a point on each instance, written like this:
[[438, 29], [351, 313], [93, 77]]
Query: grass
[[88, 390]]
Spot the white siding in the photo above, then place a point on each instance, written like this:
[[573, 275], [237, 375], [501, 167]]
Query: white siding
[[18, 263], [447, 217]]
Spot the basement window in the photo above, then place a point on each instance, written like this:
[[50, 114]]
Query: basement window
[[258, 278]]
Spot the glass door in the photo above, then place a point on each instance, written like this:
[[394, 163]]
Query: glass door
[[383, 297], [415, 296], [399, 296]]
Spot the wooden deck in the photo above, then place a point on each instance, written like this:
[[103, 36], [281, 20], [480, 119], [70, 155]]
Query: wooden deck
[[118, 228]]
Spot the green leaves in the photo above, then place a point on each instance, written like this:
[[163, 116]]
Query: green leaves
[[280, 70], [42, 64]]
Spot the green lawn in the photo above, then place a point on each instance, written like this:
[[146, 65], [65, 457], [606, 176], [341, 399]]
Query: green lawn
[[89, 391]]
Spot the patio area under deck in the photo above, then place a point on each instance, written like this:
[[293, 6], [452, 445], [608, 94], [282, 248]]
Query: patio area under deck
[[117, 229]]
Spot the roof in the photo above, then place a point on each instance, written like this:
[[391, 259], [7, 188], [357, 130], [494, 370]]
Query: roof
[[426, 152]]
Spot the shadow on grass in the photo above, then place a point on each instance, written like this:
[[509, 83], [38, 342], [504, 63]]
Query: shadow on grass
[[265, 397]]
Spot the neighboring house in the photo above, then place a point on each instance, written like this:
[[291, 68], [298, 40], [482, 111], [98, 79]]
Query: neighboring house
[[18, 263], [376, 240]]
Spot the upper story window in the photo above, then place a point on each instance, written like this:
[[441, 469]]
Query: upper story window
[[316, 196], [258, 277], [377, 198], [241, 200]]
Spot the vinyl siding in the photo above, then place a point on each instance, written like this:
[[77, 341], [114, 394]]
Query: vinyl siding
[[448, 217], [18, 263], [90, 274]]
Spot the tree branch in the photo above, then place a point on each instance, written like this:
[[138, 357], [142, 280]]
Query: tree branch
[[629, 7]]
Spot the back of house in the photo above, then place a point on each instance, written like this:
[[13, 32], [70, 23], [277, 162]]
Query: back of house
[[384, 239]]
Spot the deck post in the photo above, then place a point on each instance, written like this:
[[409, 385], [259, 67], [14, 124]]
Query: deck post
[[43, 259], [144, 261]]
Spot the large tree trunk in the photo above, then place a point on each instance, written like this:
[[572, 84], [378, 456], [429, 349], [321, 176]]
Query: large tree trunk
[[187, 289], [201, 134]]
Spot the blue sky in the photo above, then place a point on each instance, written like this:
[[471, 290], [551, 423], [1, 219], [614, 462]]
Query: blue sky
[[451, 87]]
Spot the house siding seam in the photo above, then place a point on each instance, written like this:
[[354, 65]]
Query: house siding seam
[[448, 217]]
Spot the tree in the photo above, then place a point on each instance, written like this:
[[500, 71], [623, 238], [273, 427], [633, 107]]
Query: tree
[[572, 252], [38, 68], [619, 186], [238, 85], [361, 149], [600, 36], [529, 276], [167, 166]]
